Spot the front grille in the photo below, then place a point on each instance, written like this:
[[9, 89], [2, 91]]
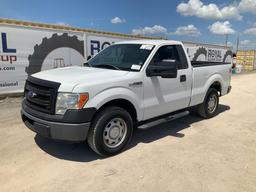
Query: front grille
[[41, 94]]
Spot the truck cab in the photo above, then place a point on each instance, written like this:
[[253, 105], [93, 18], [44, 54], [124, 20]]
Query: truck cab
[[125, 86]]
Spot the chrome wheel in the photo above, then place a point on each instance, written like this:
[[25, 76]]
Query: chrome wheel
[[115, 132], [212, 103]]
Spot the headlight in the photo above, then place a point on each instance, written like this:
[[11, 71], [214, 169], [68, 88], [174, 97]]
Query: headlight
[[67, 101]]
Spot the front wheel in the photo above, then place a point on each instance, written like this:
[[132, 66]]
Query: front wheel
[[209, 107], [110, 132]]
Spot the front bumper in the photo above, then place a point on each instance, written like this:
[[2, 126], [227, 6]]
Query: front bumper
[[65, 129]]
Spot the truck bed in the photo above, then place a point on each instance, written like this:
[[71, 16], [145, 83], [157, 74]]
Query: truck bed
[[203, 74]]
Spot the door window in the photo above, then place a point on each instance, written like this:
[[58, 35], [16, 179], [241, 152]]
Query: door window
[[169, 52]]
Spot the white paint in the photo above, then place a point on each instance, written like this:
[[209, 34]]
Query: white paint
[[62, 57], [154, 97]]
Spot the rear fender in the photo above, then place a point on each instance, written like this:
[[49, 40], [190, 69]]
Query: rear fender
[[199, 93]]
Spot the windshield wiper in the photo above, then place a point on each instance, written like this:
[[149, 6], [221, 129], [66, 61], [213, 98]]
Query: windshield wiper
[[107, 65]]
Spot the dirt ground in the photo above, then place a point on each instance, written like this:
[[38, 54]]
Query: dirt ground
[[189, 154]]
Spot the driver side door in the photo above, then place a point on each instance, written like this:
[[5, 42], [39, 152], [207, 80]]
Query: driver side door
[[165, 95]]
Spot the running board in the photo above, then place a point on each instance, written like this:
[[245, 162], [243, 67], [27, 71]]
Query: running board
[[163, 120]]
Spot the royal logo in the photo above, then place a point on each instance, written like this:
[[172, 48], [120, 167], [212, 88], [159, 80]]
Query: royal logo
[[7, 55]]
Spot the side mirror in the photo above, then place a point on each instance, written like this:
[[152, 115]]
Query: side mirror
[[86, 63], [164, 69], [89, 57]]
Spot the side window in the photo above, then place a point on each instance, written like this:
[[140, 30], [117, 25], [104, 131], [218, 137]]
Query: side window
[[183, 58], [168, 52]]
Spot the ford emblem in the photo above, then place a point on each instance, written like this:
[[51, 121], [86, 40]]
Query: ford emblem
[[31, 94]]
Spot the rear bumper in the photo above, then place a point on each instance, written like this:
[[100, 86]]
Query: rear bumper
[[58, 130]]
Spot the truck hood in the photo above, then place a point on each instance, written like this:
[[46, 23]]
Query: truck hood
[[69, 77]]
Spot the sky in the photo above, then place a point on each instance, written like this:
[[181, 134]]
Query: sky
[[206, 21]]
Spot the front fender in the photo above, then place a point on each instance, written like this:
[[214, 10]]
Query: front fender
[[110, 94]]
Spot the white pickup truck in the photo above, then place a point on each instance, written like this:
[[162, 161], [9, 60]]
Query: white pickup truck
[[127, 85]]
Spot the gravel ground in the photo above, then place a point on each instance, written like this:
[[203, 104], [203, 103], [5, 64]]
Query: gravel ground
[[188, 154]]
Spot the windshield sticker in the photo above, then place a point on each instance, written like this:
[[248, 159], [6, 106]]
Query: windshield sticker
[[135, 67], [146, 47]]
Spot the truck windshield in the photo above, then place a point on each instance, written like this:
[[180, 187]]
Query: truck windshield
[[129, 57]]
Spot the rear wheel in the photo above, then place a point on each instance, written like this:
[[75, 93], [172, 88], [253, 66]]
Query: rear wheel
[[110, 132], [210, 105]]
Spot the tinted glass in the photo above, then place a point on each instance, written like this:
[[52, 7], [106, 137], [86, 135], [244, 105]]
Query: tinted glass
[[183, 58], [128, 57], [168, 52]]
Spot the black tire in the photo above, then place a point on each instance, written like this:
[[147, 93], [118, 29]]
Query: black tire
[[203, 109], [99, 125]]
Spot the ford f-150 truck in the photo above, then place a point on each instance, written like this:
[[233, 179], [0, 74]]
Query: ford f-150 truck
[[127, 85]]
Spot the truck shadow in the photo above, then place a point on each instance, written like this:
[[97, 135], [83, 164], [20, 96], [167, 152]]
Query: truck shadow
[[81, 152]]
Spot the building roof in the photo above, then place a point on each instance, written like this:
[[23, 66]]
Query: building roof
[[69, 28], [29, 24]]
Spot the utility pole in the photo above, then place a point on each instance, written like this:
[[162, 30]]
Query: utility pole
[[226, 40], [237, 43]]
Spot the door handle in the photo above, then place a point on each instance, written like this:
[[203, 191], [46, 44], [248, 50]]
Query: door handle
[[139, 83], [183, 78]]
